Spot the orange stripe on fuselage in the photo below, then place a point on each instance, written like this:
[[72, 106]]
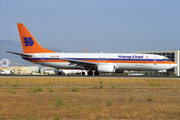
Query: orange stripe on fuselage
[[95, 61]]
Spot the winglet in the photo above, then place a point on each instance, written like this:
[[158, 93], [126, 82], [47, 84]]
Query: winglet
[[29, 43]]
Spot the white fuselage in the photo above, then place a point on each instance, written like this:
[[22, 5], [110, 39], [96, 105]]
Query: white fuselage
[[121, 61]]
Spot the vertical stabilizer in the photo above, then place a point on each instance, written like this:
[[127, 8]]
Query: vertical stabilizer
[[12, 69], [29, 43]]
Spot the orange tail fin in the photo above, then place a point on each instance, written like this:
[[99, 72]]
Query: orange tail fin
[[29, 43]]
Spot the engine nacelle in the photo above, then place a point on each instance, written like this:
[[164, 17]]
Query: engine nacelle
[[106, 69]]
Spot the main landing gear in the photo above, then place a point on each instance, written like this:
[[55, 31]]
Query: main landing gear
[[90, 72], [59, 73], [96, 73]]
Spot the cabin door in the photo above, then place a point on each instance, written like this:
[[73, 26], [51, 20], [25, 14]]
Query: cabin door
[[155, 59], [42, 59]]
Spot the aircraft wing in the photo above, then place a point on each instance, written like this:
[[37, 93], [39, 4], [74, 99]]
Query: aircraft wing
[[79, 63]]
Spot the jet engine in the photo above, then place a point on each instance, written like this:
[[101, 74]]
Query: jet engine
[[106, 69]]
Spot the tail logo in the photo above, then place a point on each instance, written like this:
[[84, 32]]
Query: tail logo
[[28, 41]]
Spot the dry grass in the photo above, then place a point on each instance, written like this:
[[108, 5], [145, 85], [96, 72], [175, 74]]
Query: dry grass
[[89, 98]]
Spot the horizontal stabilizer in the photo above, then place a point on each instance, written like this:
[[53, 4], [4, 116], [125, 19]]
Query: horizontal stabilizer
[[21, 54]]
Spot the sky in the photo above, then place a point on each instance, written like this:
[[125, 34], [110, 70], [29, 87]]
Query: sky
[[110, 26]]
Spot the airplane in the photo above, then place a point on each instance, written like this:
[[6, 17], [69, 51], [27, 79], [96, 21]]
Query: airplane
[[97, 62], [68, 71], [7, 71], [74, 71], [135, 74]]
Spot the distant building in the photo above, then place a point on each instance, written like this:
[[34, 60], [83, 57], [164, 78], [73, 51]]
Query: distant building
[[22, 70], [172, 55], [34, 69]]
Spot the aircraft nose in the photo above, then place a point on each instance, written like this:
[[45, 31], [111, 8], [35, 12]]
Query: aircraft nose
[[173, 65]]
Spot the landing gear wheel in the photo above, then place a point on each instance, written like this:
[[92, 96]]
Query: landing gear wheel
[[59, 73], [90, 72], [96, 73], [83, 73]]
